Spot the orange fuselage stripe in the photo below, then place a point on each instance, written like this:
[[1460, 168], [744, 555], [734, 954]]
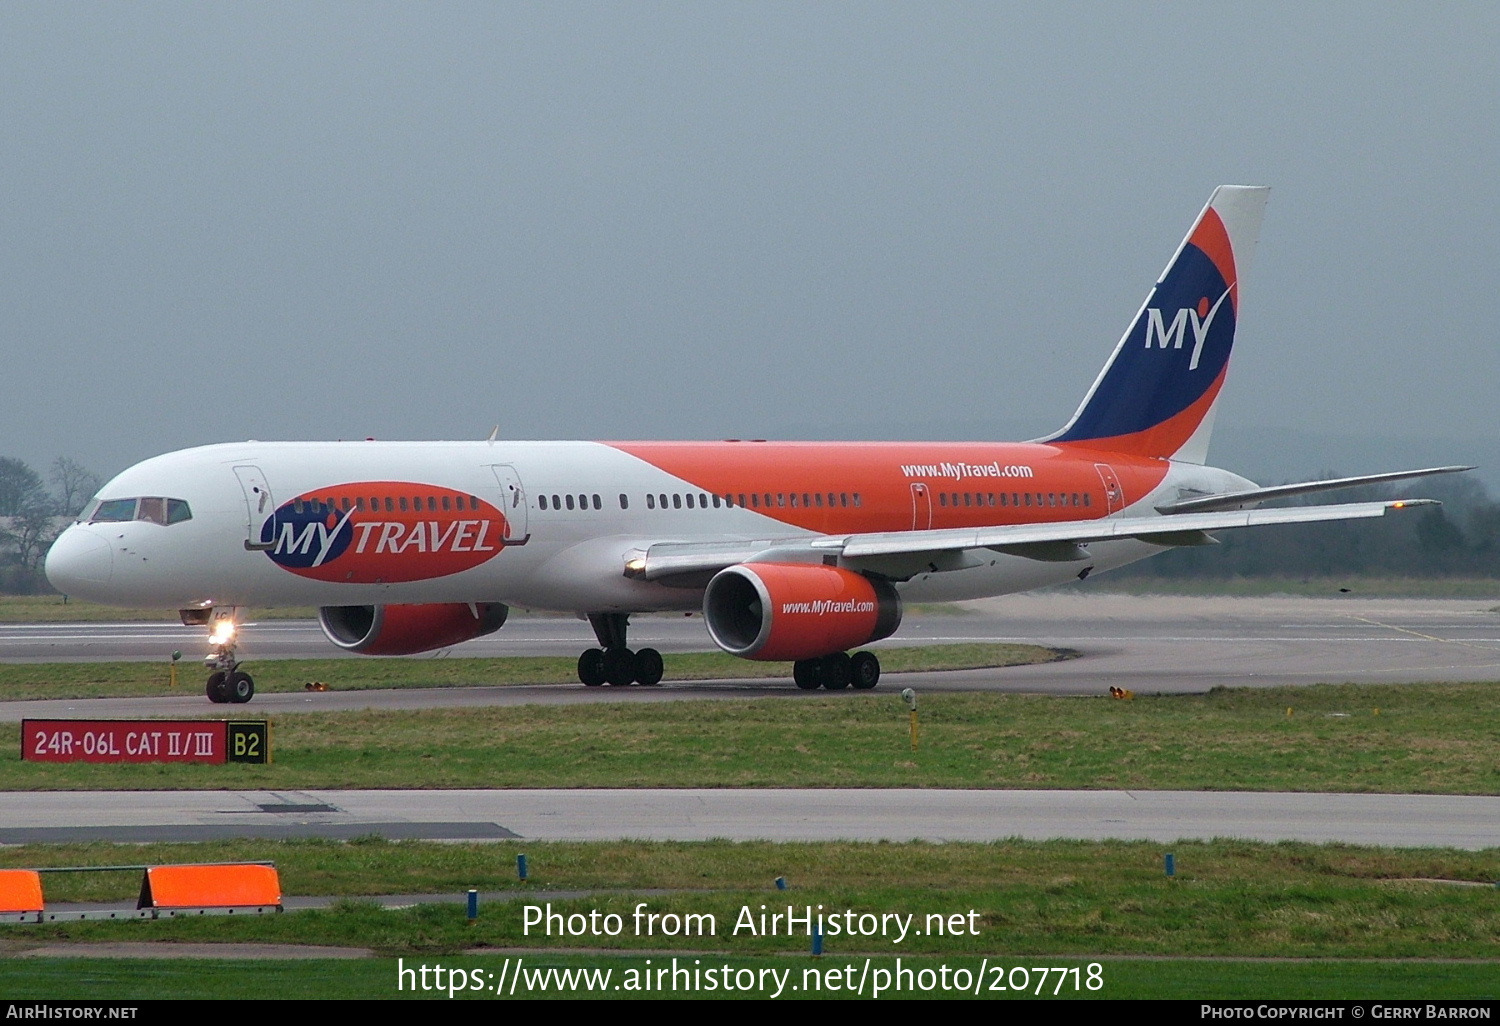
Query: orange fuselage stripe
[[883, 474]]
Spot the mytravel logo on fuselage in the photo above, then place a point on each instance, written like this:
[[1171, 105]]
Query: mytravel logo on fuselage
[[382, 532]]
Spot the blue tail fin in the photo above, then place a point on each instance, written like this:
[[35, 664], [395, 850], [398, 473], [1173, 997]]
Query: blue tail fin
[[1157, 394]]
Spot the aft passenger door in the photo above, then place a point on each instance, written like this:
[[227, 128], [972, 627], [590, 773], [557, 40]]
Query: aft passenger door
[[1114, 497], [259, 504], [921, 507], [512, 503]]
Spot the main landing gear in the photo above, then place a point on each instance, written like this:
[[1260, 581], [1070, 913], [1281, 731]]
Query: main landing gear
[[226, 682], [838, 671], [613, 663]]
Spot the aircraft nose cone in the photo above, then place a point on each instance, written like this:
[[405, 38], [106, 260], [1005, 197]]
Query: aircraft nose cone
[[78, 560]]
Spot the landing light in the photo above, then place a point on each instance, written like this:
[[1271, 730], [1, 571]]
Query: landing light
[[222, 634]]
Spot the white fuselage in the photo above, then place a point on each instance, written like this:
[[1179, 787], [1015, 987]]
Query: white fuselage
[[573, 514]]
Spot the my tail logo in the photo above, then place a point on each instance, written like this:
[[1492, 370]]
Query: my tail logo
[[1172, 335]]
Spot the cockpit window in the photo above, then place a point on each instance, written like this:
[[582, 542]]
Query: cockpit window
[[154, 509], [113, 511]]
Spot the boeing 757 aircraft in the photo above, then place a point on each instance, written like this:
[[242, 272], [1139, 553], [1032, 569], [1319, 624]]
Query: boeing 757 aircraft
[[792, 551]]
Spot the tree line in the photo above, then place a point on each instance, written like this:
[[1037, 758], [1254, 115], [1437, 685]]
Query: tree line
[[1460, 538], [33, 514]]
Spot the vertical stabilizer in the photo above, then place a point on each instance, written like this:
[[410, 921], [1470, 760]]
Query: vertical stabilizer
[[1157, 394]]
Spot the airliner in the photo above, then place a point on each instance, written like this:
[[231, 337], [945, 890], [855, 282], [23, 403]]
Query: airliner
[[796, 552]]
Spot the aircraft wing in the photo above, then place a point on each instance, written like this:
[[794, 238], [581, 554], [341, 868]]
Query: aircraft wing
[[904, 553]]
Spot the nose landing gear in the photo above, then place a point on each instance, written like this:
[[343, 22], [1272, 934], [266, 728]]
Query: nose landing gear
[[226, 682]]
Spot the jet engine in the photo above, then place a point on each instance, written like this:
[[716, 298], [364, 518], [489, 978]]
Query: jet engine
[[406, 630], [797, 610]]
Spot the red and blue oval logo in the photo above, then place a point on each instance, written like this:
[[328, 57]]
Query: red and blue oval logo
[[382, 532]]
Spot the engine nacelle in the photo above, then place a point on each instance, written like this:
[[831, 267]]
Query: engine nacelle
[[407, 630], [797, 610]]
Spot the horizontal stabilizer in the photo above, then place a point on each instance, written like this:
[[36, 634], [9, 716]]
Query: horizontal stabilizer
[[1252, 496]]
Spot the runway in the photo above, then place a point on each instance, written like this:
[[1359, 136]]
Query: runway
[[1147, 644], [753, 814]]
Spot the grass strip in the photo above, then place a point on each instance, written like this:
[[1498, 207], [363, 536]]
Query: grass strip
[[135, 679], [827, 978], [1428, 738], [1302, 587], [61, 609], [1229, 899]]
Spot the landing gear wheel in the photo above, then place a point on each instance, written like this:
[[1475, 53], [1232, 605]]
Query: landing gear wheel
[[619, 666], [218, 687], [591, 667], [648, 667], [808, 673], [837, 671], [866, 669], [241, 688]]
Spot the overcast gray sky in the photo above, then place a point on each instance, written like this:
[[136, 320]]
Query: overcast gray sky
[[578, 220]]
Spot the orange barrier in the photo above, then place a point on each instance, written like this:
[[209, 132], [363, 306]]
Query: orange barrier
[[20, 891], [210, 886]]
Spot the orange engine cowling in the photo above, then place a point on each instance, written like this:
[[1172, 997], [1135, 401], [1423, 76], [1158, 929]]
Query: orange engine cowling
[[406, 630], [797, 610]]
